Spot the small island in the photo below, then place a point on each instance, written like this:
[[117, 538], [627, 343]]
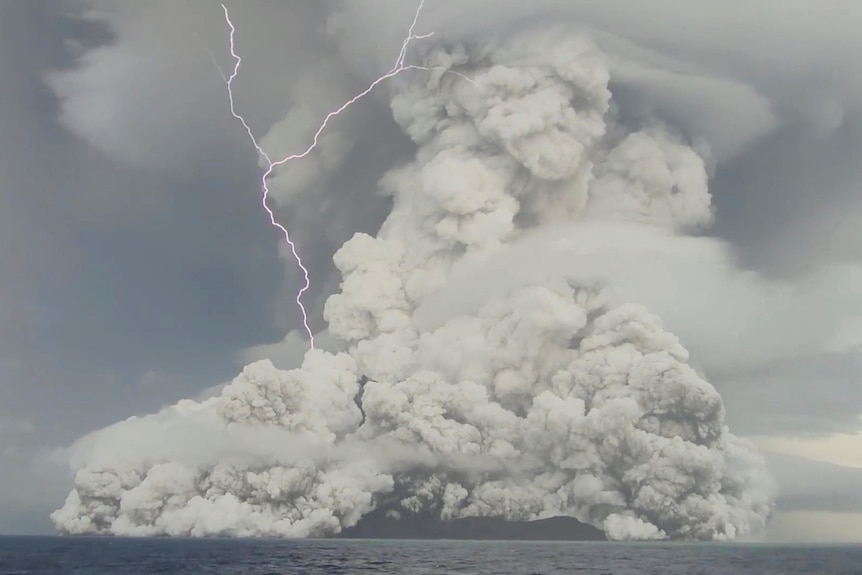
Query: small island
[[379, 525]]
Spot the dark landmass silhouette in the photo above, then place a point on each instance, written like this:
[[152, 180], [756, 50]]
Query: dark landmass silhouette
[[377, 525]]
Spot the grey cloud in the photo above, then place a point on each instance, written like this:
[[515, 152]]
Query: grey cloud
[[815, 486], [818, 394]]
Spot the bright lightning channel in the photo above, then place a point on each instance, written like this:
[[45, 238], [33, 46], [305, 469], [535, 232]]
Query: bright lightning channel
[[271, 165]]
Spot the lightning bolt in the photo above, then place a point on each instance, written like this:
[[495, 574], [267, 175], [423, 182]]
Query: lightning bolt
[[271, 165], [396, 69]]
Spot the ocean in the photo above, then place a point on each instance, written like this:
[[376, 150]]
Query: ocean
[[108, 556]]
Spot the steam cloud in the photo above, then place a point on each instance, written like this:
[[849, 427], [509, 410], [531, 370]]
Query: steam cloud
[[551, 397]]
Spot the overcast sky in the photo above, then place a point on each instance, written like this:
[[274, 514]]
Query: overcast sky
[[137, 267]]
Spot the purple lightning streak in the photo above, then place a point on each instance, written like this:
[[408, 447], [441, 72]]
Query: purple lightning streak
[[395, 70]]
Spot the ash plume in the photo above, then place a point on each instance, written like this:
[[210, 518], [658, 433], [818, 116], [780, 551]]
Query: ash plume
[[551, 397]]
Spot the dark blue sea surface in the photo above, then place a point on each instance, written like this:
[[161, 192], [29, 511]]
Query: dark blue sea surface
[[96, 556]]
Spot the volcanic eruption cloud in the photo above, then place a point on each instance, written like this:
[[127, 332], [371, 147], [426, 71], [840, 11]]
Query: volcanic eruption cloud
[[484, 358]]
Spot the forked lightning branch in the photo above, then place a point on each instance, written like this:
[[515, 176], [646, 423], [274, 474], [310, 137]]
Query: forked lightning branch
[[272, 165]]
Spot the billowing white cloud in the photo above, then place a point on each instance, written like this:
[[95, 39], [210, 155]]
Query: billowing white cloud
[[554, 394], [534, 196]]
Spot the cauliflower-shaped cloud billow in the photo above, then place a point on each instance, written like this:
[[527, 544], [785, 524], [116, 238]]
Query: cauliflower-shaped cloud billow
[[553, 397]]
